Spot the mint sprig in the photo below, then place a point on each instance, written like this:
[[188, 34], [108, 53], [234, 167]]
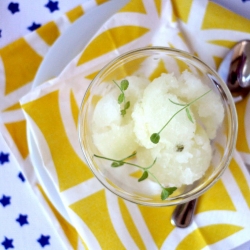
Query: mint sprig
[[166, 191], [122, 98], [155, 137]]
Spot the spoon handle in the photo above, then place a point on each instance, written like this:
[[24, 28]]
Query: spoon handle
[[183, 214]]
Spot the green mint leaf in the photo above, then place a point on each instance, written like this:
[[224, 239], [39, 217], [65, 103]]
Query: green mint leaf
[[176, 103], [144, 176], [123, 112], [155, 138], [124, 84], [170, 190], [116, 164], [127, 105], [120, 98], [164, 194], [189, 115]]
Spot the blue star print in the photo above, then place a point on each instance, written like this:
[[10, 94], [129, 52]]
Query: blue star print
[[44, 240], [13, 7], [5, 200], [4, 158], [52, 6], [34, 26], [7, 243], [22, 219], [20, 175], [0, 33]]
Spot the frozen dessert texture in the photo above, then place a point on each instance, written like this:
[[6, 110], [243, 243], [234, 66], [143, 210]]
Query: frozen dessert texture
[[184, 152]]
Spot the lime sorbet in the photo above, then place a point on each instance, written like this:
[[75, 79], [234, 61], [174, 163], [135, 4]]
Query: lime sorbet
[[183, 153]]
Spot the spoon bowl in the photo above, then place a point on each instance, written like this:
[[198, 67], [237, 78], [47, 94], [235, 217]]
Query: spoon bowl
[[235, 71]]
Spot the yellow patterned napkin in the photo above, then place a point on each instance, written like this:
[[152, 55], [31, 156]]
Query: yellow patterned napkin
[[19, 62], [103, 220]]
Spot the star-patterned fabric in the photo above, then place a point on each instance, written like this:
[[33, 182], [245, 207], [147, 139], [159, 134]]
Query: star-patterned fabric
[[13, 7], [140, 23], [33, 222], [23, 222], [4, 157], [27, 218], [19, 17]]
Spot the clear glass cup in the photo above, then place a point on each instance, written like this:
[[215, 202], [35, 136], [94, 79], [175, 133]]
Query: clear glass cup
[[148, 62]]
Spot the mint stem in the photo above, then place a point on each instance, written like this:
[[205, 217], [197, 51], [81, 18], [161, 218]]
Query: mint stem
[[145, 169], [186, 106], [155, 137]]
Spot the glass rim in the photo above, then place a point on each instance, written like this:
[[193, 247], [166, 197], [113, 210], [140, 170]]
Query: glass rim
[[230, 146]]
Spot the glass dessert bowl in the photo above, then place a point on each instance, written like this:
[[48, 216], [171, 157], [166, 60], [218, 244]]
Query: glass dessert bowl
[[157, 126]]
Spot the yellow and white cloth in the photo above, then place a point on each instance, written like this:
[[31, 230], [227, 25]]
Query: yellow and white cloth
[[96, 216]]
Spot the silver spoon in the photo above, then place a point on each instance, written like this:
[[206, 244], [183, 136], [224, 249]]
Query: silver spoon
[[235, 71]]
